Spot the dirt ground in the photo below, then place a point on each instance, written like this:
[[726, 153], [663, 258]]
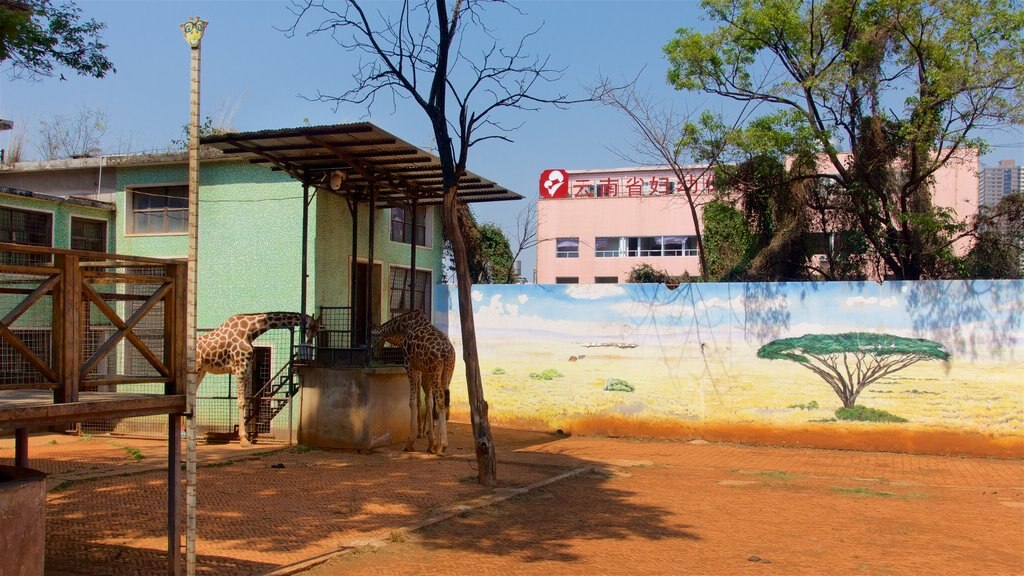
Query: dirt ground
[[693, 508], [622, 506]]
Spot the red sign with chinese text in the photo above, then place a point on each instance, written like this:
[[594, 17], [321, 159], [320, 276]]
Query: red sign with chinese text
[[554, 184]]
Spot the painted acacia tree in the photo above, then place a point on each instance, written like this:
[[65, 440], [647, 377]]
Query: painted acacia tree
[[905, 85], [852, 361], [38, 36], [447, 60]]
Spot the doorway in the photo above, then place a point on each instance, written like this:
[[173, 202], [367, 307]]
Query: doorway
[[365, 296]]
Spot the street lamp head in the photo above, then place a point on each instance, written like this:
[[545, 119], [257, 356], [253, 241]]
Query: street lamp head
[[194, 29]]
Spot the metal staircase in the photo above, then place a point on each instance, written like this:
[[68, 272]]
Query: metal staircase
[[273, 397]]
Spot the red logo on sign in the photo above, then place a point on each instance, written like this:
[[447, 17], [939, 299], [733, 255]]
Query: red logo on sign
[[554, 184]]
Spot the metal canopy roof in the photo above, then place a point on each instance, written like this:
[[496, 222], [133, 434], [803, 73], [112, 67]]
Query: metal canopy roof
[[358, 154]]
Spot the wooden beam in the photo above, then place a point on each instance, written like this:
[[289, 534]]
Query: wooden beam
[[29, 386], [125, 380], [137, 405], [67, 333], [32, 298], [24, 351], [125, 329], [21, 447]]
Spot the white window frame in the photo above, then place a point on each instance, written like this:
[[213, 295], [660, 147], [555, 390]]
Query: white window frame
[[129, 212]]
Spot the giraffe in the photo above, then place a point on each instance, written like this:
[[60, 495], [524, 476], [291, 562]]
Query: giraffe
[[228, 350], [429, 362]]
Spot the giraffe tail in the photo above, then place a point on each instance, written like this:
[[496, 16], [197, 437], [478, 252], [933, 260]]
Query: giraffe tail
[[446, 381]]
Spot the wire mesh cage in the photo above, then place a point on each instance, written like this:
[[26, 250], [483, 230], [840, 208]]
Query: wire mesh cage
[[90, 326]]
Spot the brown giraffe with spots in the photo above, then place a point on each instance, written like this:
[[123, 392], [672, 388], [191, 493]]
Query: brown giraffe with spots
[[228, 350], [429, 363]]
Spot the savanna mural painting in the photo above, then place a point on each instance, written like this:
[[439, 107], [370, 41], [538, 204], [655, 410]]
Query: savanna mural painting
[[927, 366]]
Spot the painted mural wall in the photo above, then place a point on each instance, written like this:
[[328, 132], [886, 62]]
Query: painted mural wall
[[929, 366]]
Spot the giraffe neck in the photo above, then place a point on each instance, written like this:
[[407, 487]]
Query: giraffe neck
[[271, 320]]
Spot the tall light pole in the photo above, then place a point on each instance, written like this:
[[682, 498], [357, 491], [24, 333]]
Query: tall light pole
[[194, 29]]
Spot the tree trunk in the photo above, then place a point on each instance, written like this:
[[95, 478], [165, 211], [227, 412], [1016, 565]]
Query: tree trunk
[[485, 459]]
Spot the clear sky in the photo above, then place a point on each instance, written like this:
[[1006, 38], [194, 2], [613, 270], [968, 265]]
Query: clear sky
[[254, 78]]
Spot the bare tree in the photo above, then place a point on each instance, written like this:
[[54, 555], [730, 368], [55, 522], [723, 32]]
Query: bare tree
[[69, 137], [667, 136], [524, 237], [426, 51]]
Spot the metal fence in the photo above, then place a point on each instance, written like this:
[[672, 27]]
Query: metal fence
[[272, 392]]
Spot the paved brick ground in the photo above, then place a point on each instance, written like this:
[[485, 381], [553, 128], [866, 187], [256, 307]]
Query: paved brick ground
[[651, 508]]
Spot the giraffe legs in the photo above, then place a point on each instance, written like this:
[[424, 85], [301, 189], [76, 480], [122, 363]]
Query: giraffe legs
[[437, 412], [246, 431], [437, 415], [414, 405]]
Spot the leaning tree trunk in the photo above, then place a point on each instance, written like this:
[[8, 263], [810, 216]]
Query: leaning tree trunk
[[485, 458]]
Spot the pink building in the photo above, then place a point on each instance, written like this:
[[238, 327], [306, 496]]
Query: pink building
[[594, 226]]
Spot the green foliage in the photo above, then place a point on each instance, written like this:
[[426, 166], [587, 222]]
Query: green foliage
[[497, 255], [998, 251], [618, 385], [548, 374], [865, 414], [37, 36], [727, 241], [812, 405], [205, 129], [904, 86], [644, 273], [498, 371]]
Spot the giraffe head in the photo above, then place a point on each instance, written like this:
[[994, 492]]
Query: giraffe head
[[312, 326], [394, 331]]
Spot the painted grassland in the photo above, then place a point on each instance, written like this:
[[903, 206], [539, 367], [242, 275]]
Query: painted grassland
[[534, 383]]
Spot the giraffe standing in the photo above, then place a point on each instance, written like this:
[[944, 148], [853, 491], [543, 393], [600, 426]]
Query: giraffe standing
[[429, 363], [228, 350]]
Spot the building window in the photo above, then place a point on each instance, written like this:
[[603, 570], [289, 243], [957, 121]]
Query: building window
[[401, 225], [644, 246], [88, 235], [159, 210], [399, 292], [567, 280], [29, 228], [567, 248], [606, 280], [607, 247]]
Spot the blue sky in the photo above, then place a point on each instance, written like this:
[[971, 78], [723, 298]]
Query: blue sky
[[253, 77]]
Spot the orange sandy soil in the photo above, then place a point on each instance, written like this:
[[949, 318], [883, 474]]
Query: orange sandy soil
[[697, 508], [634, 507]]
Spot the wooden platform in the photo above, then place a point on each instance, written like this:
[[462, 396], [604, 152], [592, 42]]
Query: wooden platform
[[30, 408]]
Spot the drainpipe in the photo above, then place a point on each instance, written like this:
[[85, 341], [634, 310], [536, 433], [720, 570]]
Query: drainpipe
[[353, 208], [368, 326], [412, 262], [305, 257]]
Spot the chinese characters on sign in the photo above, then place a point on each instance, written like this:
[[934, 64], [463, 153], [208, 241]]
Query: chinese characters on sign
[[556, 184]]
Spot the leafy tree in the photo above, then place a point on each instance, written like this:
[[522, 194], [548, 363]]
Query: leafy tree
[[727, 240], [644, 273], [37, 36], [497, 255], [427, 52], [998, 250], [852, 361], [905, 84]]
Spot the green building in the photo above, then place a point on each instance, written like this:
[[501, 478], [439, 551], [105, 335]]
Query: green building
[[260, 195]]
